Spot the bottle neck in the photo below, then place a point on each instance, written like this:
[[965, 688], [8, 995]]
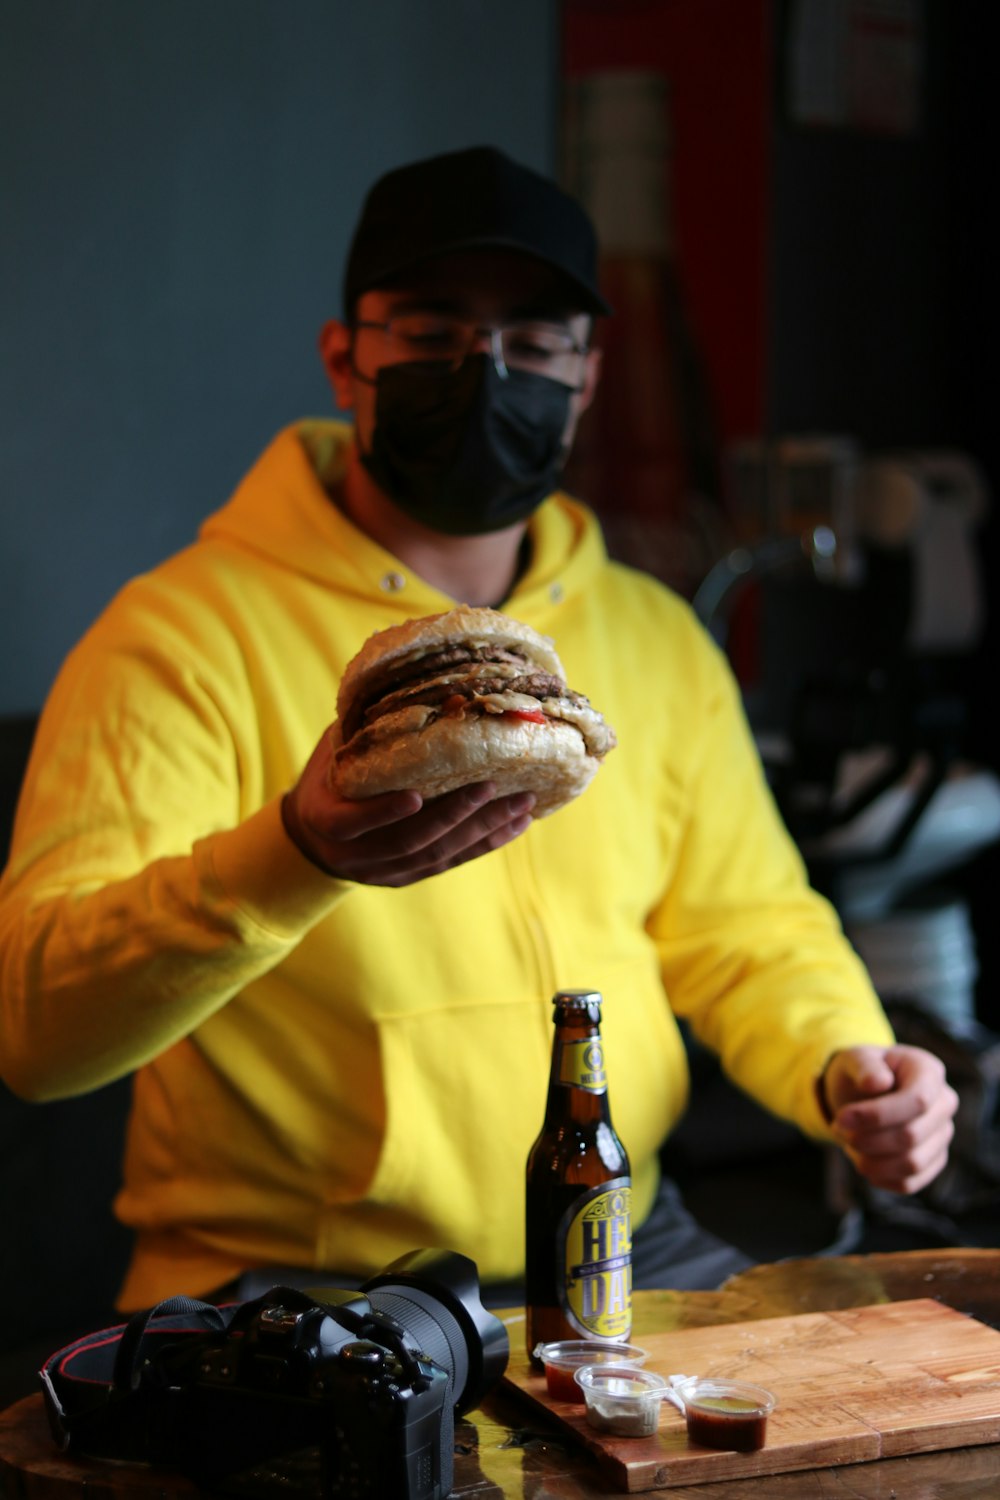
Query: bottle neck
[[578, 1090]]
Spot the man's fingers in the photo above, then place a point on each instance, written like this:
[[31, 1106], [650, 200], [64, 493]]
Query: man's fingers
[[495, 839], [857, 1073], [435, 836], [897, 1137], [432, 841], [447, 824], [904, 1157], [902, 1180], [351, 820], [883, 1112], [402, 822], [399, 837], [894, 1136], [906, 1171], [919, 1085]]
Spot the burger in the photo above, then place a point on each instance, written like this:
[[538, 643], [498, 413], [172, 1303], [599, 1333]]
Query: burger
[[470, 695]]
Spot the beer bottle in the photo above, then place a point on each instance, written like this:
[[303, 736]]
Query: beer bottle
[[578, 1190]]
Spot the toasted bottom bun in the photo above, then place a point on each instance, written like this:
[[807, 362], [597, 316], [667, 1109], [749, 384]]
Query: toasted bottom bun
[[517, 755]]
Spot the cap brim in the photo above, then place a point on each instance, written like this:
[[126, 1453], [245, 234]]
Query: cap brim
[[584, 297]]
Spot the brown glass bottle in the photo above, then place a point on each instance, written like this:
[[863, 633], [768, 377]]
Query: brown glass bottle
[[578, 1254]]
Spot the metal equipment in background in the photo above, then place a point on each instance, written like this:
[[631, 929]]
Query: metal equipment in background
[[868, 610]]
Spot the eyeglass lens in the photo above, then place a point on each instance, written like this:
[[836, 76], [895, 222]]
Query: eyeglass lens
[[530, 344]]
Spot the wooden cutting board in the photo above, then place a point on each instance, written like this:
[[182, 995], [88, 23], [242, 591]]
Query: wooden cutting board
[[854, 1385]]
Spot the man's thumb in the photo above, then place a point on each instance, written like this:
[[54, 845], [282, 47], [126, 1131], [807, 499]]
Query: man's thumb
[[858, 1073]]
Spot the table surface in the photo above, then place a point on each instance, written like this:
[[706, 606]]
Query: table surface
[[504, 1450]]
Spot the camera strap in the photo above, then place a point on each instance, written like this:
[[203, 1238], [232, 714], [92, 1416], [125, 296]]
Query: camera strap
[[95, 1396]]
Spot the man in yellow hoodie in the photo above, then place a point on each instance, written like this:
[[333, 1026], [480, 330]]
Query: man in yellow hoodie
[[338, 1014]]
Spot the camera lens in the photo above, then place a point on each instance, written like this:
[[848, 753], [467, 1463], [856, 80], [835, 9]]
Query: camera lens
[[434, 1294]]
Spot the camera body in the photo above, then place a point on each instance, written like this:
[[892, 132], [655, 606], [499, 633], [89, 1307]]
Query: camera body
[[292, 1371], [245, 1396]]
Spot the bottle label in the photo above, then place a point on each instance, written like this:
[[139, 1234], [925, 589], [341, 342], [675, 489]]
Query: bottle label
[[581, 1065], [594, 1249]]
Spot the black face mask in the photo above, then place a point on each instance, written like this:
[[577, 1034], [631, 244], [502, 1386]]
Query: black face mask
[[466, 451]]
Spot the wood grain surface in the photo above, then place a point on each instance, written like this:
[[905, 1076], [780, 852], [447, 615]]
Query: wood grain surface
[[852, 1385]]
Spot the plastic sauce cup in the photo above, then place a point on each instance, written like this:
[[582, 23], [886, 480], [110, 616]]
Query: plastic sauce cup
[[622, 1399], [726, 1413], [563, 1359]]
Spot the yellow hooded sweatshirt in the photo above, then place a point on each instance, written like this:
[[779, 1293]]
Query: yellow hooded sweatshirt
[[330, 1074]]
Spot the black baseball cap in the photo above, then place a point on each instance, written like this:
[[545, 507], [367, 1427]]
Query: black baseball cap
[[475, 199]]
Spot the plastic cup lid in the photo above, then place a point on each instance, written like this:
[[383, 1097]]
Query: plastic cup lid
[[569, 1353]]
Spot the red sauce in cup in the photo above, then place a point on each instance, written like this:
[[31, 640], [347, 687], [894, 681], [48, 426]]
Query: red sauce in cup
[[561, 1385], [564, 1357], [726, 1413], [729, 1426]]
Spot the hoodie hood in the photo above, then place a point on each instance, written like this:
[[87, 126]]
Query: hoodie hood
[[283, 510]]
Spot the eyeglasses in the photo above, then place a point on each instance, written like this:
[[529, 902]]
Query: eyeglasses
[[523, 344]]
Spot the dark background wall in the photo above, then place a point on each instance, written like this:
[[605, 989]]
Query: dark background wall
[[179, 179]]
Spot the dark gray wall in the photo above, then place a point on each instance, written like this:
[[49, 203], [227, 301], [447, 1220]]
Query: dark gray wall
[[179, 179]]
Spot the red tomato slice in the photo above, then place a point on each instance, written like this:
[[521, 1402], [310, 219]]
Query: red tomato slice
[[534, 714]]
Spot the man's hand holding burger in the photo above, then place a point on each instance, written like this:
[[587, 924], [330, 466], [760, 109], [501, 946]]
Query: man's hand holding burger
[[397, 838], [452, 733]]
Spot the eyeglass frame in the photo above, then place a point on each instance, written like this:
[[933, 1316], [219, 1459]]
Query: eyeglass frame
[[475, 330]]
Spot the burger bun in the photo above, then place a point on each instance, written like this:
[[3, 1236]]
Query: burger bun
[[467, 696]]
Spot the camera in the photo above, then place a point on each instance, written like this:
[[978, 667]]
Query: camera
[[371, 1378]]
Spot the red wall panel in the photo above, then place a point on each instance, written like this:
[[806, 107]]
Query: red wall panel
[[717, 57]]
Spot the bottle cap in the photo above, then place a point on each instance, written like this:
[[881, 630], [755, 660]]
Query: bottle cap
[[577, 1001]]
